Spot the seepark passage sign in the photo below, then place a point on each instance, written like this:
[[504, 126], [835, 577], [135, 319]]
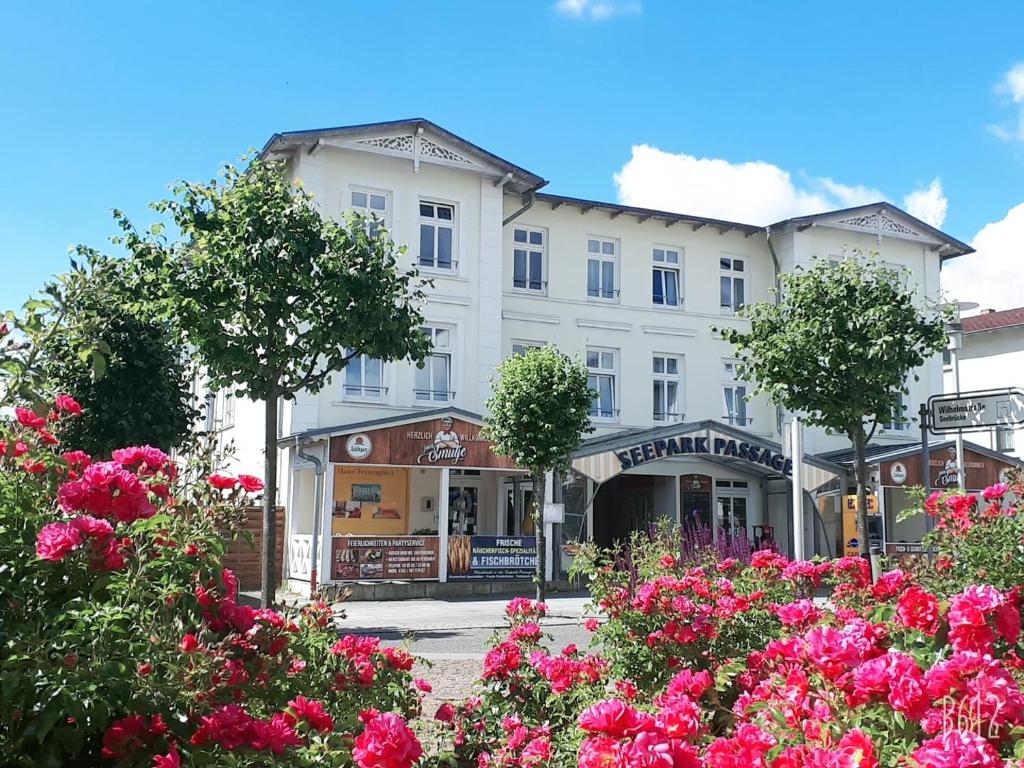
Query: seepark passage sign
[[984, 409]]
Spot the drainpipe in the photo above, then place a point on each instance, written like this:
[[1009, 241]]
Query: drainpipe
[[318, 504], [530, 196], [778, 270]]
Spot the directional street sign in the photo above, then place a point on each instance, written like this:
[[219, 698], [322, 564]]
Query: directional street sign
[[969, 411]]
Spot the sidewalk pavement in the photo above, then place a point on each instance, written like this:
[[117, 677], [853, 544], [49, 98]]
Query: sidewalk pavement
[[459, 613]]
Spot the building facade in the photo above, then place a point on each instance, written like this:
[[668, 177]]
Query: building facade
[[634, 292], [992, 357]]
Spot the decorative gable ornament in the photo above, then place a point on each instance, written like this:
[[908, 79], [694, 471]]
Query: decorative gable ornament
[[879, 223], [416, 147]]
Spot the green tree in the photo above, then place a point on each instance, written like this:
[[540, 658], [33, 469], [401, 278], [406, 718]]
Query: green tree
[[538, 413], [144, 395], [274, 298], [838, 346]]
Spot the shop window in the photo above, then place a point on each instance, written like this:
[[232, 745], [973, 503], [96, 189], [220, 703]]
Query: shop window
[[732, 282], [601, 259], [434, 380], [668, 388], [528, 259], [601, 370]]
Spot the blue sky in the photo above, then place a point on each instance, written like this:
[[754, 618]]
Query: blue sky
[[760, 107]]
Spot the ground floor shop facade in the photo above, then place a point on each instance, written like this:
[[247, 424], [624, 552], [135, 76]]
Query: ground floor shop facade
[[424, 497]]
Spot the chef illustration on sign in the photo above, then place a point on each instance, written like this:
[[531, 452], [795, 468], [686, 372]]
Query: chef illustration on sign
[[447, 437], [949, 474]]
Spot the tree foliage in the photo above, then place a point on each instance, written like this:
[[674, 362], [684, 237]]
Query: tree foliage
[[539, 412], [837, 347], [144, 395], [273, 297]]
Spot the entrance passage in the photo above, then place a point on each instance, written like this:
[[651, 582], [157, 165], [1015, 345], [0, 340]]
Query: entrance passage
[[631, 503]]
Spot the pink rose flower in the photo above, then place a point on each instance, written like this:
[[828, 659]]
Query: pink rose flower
[[56, 540]]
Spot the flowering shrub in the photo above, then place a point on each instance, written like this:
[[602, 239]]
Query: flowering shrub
[[733, 665], [124, 641]]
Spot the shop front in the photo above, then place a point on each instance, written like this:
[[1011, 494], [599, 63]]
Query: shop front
[[421, 497], [712, 478]]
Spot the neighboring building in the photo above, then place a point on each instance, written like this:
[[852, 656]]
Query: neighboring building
[[992, 357], [631, 290]]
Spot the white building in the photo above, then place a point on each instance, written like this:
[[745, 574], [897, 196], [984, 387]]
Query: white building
[[992, 357], [632, 291]]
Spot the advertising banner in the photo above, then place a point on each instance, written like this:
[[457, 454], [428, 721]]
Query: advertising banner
[[370, 558], [495, 558]]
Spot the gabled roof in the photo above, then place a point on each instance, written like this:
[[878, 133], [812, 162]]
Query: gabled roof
[[909, 450], [993, 321], [643, 214], [382, 423], [401, 138], [887, 220]]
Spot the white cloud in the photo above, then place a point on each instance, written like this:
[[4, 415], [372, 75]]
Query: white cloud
[[928, 204], [993, 275], [756, 192], [1011, 87], [598, 10]]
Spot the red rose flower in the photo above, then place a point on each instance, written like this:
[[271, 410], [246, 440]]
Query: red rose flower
[[221, 481], [28, 418], [67, 404], [250, 483], [386, 742], [56, 540]]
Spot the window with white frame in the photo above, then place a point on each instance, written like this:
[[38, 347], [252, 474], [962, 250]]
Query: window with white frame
[[373, 204], [434, 380], [668, 371], [667, 283], [520, 347], [732, 281], [220, 410], [601, 371], [1004, 439], [528, 258], [601, 258], [364, 379], [437, 236], [899, 421], [734, 395]]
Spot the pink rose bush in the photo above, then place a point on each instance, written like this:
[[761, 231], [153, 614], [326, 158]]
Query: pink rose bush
[[126, 642]]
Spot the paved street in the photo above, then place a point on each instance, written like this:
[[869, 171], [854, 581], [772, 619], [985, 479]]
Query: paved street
[[457, 628]]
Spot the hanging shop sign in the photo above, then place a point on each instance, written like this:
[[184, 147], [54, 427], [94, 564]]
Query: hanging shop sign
[[981, 470], [372, 558], [441, 442], [494, 558], [718, 446]]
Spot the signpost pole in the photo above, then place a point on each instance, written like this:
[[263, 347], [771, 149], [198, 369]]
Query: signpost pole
[[925, 469], [798, 489]]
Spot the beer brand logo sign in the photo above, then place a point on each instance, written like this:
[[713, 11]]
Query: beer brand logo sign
[[446, 446], [358, 446]]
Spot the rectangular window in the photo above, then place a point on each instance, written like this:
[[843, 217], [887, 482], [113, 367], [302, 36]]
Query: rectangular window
[[520, 347], [731, 280], [434, 380], [373, 204], [1004, 439], [601, 369], [666, 290], [437, 236], [899, 421], [734, 396], [528, 259], [601, 256], [667, 388], [220, 410], [364, 379]]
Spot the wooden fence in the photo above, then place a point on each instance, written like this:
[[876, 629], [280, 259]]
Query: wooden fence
[[244, 558]]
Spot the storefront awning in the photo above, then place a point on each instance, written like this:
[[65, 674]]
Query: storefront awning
[[605, 457]]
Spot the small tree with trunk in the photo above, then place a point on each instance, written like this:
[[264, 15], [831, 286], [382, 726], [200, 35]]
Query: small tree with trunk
[[837, 346], [274, 298], [538, 413]]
